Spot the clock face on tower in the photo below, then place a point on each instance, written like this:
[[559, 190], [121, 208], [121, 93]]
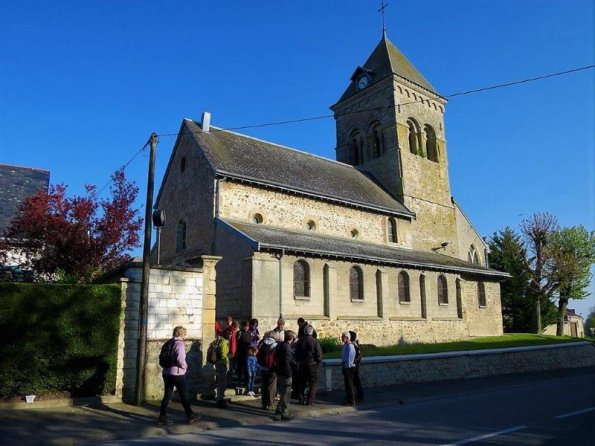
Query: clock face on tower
[[362, 82]]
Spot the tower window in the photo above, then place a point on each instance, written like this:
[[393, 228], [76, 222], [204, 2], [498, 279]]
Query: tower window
[[181, 236], [355, 148], [310, 225], [414, 136], [183, 164], [392, 230], [442, 290], [354, 233], [403, 283], [377, 141], [431, 143], [356, 283], [301, 279]]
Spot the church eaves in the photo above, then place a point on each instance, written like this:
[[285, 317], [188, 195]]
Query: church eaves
[[264, 237], [243, 158], [386, 60]]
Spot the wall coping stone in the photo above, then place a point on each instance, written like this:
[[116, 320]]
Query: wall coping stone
[[422, 356]]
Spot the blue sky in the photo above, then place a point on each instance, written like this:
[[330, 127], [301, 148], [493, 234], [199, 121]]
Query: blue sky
[[84, 83]]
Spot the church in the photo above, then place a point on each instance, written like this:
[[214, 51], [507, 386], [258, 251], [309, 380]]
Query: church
[[372, 241]]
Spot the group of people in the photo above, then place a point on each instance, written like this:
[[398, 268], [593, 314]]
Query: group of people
[[288, 364]]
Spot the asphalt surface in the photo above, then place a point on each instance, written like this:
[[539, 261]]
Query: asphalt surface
[[95, 422]]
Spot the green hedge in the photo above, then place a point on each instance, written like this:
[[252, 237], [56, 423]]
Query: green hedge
[[58, 338]]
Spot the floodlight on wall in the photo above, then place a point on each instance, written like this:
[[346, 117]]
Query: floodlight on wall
[[158, 222]]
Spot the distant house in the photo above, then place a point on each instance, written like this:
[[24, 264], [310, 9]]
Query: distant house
[[16, 184], [573, 325]]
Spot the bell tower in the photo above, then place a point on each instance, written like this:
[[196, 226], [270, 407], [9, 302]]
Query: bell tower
[[390, 125]]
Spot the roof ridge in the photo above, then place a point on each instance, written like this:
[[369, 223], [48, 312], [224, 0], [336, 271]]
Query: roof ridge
[[25, 167], [219, 129]]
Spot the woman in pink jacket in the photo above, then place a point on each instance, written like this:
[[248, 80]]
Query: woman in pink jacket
[[176, 377]]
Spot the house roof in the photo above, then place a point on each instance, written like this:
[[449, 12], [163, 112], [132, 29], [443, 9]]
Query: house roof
[[16, 184], [386, 60], [263, 237], [252, 160]]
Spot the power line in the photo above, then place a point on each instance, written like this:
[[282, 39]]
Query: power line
[[316, 118], [452, 95]]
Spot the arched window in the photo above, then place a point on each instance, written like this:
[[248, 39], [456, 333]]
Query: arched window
[[431, 143], [355, 148], [356, 283], [473, 256], [377, 141], [301, 279], [442, 290], [181, 236], [414, 136], [481, 294], [392, 230], [403, 282]]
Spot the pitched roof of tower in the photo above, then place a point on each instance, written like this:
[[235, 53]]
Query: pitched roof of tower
[[260, 162], [263, 237], [386, 60]]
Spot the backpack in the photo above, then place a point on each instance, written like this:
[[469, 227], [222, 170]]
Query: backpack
[[261, 356], [167, 357], [271, 360], [213, 352], [358, 354]]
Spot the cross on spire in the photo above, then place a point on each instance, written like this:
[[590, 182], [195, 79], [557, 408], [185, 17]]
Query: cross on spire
[[381, 11]]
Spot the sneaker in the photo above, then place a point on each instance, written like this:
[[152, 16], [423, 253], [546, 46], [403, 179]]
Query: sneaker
[[164, 421], [222, 404], [287, 417], [193, 417], [251, 393]]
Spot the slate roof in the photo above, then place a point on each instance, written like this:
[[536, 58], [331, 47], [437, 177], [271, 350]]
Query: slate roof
[[263, 237], [248, 159], [16, 184], [386, 60]]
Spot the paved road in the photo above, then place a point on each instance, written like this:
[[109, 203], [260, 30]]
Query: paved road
[[552, 412]]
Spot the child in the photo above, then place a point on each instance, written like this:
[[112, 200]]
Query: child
[[252, 367]]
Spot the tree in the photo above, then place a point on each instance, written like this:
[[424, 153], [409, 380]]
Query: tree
[[508, 253], [78, 238], [536, 231], [572, 252]]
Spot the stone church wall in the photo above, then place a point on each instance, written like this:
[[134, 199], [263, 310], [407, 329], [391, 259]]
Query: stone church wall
[[379, 318], [187, 194], [468, 236]]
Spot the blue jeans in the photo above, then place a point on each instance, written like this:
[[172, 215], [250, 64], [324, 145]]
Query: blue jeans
[[251, 377]]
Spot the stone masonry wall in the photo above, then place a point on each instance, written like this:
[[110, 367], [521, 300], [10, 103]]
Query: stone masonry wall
[[384, 371], [184, 296], [380, 318]]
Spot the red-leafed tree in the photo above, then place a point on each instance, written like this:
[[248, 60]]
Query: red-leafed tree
[[76, 238]]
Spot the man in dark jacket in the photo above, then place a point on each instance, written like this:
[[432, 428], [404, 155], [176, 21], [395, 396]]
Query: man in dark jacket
[[284, 358], [308, 355], [302, 323]]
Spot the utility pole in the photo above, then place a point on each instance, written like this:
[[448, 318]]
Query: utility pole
[[141, 350]]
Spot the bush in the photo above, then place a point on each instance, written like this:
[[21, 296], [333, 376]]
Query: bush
[[58, 338], [329, 345]]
